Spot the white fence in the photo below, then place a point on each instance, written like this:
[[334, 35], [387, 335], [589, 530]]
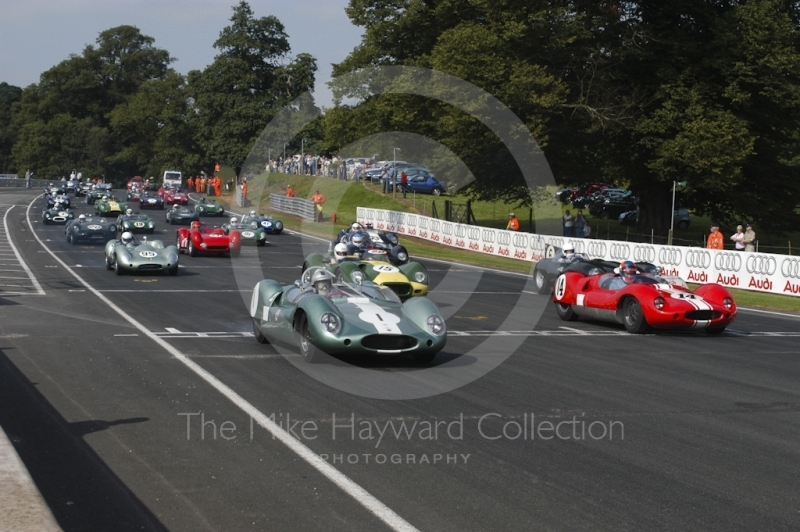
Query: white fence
[[761, 272]]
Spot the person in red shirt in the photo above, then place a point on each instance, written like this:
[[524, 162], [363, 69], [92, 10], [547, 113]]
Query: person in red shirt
[[319, 199], [289, 191], [217, 186], [190, 183], [403, 182], [715, 239]]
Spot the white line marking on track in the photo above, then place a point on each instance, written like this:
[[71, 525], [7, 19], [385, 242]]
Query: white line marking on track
[[576, 331], [759, 311], [359, 494], [36, 285], [171, 330]]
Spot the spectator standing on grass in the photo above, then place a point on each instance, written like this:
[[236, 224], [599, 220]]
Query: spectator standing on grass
[[289, 191], [513, 223], [190, 183], [738, 238], [715, 239], [749, 238], [403, 182], [385, 180], [580, 224], [569, 224], [318, 199], [244, 191]]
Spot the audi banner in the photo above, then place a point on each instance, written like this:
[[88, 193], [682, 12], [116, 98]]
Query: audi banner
[[761, 272]]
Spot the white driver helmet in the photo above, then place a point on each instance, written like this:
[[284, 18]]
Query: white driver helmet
[[127, 237], [234, 220], [82, 218], [569, 251], [356, 227], [253, 213], [129, 212], [175, 207], [105, 198], [322, 281], [340, 251]]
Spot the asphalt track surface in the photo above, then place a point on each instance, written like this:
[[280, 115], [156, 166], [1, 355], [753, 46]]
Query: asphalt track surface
[[706, 430]]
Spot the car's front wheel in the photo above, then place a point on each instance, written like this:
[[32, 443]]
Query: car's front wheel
[[539, 281], [260, 338], [192, 249], [437, 191], [307, 350], [117, 268], [173, 271], [633, 316], [109, 263]]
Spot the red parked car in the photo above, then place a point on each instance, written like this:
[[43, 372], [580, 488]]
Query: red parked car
[[198, 239], [640, 301]]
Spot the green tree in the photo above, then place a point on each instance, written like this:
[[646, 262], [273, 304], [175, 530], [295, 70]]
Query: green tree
[[9, 94], [248, 82]]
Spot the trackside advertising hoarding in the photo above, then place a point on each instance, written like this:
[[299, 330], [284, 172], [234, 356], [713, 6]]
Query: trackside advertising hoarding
[[761, 272]]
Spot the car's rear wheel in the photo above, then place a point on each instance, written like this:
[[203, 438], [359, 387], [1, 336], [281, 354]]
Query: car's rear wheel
[[437, 191], [565, 312], [633, 316], [539, 281], [192, 249], [117, 268], [307, 350], [260, 338]]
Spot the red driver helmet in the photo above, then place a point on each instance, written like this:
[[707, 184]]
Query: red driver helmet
[[196, 224]]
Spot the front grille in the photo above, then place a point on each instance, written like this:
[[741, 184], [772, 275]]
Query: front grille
[[216, 248], [145, 267], [401, 289], [389, 342], [703, 315]]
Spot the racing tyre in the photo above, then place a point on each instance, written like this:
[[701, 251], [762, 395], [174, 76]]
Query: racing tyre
[[236, 252], [46, 221], [307, 350], [109, 264], [633, 316], [73, 240], [424, 358], [565, 312], [539, 281], [192, 249], [173, 271], [305, 267], [715, 331], [117, 268], [260, 338]]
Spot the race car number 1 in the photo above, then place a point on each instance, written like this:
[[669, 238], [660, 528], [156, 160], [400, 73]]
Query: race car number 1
[[561, 287]]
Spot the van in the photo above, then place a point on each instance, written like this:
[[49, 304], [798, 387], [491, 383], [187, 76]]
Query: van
[[172, 178]]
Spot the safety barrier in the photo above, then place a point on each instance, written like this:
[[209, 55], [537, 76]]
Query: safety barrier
[[292, 205], [761, 272], [22, 182]]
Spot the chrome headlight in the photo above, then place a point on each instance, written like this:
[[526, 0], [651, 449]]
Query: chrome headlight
[[435, 324], [126, 224], [402, 256], [728, 302], [330, 322], [392, 238], [357, 277], [658, 303], [150, 224], [113, 228], [420, 277]]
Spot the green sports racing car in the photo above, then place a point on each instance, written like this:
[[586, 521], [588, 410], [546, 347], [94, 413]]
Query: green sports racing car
[[323, 316]]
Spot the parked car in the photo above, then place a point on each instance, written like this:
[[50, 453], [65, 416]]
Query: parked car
[[613, 206], [422, 183], [681, 218]]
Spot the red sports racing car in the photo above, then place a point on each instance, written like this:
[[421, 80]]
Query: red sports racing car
[[639, 301], [208, 240]]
